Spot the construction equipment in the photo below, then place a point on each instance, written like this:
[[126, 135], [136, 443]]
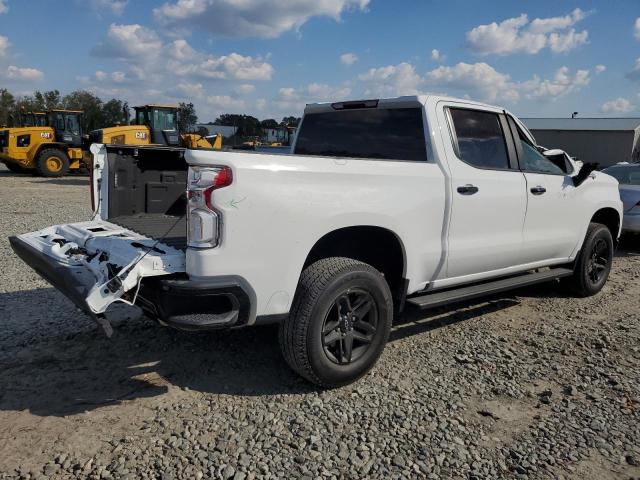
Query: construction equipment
[[50, 151], [154, 125], [33, 119]]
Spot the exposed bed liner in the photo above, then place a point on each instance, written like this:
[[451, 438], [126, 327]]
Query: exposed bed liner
[[170, 230]]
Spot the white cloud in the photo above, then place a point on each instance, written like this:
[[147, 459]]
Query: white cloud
[[191, 90], [619, 105], [226, 103], [250, 18], [4, 46], [4, 8], [348, 58], [181, 50], [232, 66], [294, 99], [518, 35], [636, 29], [562, 43], [116, 7], [129, 42], [391, 80], [244, 89], [600, 68], [480, 80], [561, 84], [437, 56], [18, 73], [635, 73]]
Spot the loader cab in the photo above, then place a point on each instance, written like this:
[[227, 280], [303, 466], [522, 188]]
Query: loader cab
[[162, 121], [67, 125], [34, 119]]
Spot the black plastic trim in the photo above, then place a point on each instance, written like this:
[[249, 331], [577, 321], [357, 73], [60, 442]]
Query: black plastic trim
[[186, 304]]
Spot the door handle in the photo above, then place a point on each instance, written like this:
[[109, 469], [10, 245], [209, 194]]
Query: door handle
[[538, 190], [468, 189]]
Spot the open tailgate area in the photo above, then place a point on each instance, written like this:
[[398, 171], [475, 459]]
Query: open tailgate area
[[96, 263]]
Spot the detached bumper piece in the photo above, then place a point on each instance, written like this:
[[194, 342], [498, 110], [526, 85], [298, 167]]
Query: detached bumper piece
[[72, 281], [197, 305]]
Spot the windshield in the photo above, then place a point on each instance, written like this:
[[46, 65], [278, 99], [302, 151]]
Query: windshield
[[626, 175], [164, 120], [73, 125]]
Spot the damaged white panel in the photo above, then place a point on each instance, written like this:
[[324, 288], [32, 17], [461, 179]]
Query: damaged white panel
[[113, 259]]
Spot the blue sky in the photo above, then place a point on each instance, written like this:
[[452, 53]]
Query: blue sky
[[270, 57]]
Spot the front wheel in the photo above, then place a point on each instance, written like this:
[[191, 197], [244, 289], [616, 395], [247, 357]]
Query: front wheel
[[593, 264], [339, 322], [52, 162]]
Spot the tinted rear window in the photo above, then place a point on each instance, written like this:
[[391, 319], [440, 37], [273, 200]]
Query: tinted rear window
[[390, 134]]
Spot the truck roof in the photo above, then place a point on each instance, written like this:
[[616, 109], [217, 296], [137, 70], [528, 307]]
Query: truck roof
[[398, 102]]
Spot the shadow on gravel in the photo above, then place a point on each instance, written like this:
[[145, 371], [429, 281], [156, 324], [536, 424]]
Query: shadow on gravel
[[73, 180], [67, 373], [629, 246], [72, 367]]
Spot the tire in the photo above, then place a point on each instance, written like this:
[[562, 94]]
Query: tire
[[15, 168], [593, 264], [52, 162], [339, 301]]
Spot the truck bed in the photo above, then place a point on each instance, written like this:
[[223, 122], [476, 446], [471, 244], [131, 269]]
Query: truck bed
[[170, 230]]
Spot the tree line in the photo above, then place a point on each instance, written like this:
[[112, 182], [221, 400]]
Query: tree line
[[97, 113], [101, 114]]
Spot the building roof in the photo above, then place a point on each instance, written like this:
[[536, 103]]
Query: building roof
[[586, 124]]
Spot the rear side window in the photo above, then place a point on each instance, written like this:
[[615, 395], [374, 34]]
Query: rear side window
[[480, 138], [387, 134]]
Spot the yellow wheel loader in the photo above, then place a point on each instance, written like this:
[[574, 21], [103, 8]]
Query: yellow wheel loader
[[50, 151], [154, 125]]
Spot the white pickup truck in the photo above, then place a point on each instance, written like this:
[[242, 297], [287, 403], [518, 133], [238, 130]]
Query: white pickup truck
[[416, 201]]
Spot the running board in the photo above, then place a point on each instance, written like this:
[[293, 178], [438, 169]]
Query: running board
[[438, 298]]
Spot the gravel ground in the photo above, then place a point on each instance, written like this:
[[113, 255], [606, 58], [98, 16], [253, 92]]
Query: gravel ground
[[534, 384]]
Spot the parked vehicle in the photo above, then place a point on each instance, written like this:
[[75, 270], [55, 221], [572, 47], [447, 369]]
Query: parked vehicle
[[49, 151], [154, 125], [628, 175], [411, 201]]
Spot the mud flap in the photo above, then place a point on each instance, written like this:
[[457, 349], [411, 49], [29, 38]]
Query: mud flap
[[96, 263]]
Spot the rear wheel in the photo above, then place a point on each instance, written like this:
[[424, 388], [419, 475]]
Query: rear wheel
[[15, 168], [594, 261], [339, 322], [52, 163]]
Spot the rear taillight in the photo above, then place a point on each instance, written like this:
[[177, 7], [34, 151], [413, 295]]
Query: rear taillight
[[204, 220]]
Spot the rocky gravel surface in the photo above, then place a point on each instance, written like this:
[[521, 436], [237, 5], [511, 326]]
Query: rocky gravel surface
[[532, 384]]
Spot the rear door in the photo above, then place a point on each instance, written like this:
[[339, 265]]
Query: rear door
[[553, 220], [488, 191]]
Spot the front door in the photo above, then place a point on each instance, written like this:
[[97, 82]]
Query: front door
[[488, 191], [553, 220]]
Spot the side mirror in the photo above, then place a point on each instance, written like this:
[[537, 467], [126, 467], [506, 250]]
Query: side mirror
[[584, 173]]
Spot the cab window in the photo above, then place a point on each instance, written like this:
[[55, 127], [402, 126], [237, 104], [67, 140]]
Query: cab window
[[164, 120], [479, 138], [73, 126]]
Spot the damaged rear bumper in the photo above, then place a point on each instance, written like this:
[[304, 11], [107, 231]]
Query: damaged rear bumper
[[98, 263]]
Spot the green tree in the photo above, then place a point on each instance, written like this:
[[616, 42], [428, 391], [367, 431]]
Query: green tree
[[290, 121], [247, 125], [113, 113], [187, 117], [48, 100], [7, 106], [89, 103], [269, 123]]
